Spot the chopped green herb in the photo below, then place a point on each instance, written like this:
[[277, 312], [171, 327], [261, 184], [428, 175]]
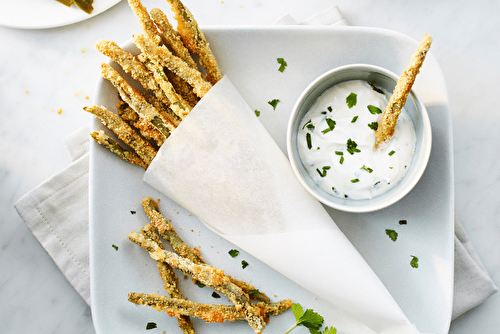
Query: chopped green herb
[[378, 90], [215, 295], [352, 146], [133, 212], [351, 100], [331, 125], [341, 161], [392, 234], [354, 119], [339, 153], [200, 285], [257, 113], [324, 113], [309, 319], [368, 169], [282, 63], [391, 167], [391, 153], [274, 103], [323, 174], [115, 247], [309, 140], [403, 222], [309, 125], [414, 261], [374, 110], [234, 252], [376, 183], [373, 125], [151, 325], [354, 180], [244, 264], [330, 109]]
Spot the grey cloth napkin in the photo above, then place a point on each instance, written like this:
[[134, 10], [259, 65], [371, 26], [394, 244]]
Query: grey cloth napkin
[[56, 212]]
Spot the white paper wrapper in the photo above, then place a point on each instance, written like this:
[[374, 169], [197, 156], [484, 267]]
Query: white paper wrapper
[[223, 166]]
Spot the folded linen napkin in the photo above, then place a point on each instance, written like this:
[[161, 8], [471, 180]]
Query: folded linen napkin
[[44, 214]]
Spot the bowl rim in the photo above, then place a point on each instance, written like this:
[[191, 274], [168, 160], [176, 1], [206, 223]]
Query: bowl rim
[[409, 180]]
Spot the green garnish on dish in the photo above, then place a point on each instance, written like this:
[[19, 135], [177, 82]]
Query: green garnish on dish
[[351, 100], [85, 5]]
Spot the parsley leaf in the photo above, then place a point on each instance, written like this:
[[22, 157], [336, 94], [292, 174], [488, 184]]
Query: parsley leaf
[[392, 234], [391, 153], [244, 264], [403, 222], [234, 252], [115, 247], [373, 125], [352, 146], [257, 113], [274, 103], [414, 261], [351, 100], [133, 212], [309, 319], [354, 119], [282, 63], [374, 110], [215, 295], [151, 325], [331, 125]]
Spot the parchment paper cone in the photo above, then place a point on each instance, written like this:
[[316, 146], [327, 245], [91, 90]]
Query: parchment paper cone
[[223, 166]]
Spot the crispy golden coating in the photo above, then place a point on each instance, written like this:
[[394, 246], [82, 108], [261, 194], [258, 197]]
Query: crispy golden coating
[[106, 141], [170, 281], [124, 132], [195, 40], [162, 55], [209, 276], [146, 129], [171, 37], [147, 25], [176, 102], [208, 312], [403, 87], [167, 231], [136, 101]]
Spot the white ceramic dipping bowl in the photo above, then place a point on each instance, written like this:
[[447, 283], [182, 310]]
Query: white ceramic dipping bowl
[[416, 110]]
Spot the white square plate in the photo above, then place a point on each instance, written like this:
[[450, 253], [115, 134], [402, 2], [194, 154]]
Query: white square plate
[[248, 56]]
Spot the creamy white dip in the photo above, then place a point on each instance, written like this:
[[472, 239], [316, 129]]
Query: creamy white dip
[[336, 142]]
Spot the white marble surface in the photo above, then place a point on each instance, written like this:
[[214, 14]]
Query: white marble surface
[[43, 71]]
